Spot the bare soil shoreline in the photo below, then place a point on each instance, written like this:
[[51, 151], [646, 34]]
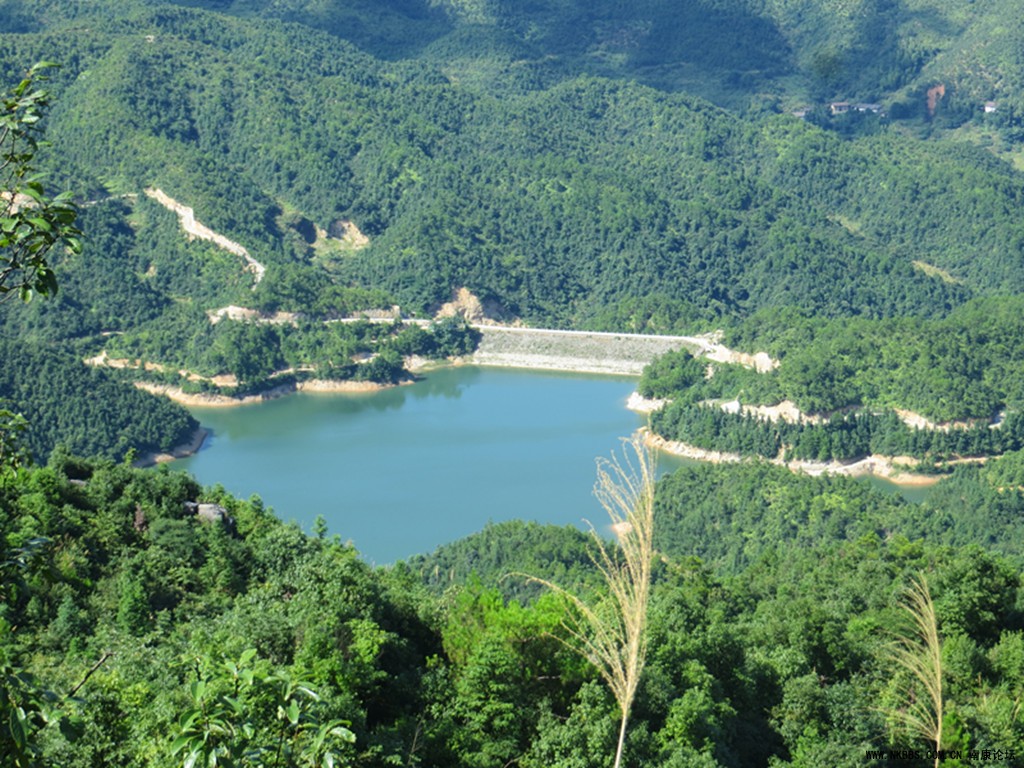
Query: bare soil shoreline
[[210, 400], [530, 354], [207, 400], [194, 443], [892, 468]]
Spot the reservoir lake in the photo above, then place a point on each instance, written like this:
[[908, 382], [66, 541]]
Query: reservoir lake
[[401, 471]]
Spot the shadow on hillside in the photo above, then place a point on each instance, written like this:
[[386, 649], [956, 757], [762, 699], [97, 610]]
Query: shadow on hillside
[[387, 29], [714, 50], [666, 45]]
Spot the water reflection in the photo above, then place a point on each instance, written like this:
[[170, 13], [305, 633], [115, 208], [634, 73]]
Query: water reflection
[[290, 412], [448, 383], [402, 470]]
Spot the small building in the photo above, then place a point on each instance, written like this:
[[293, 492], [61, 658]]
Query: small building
[[990, 107], [839, 107], [211, 513]]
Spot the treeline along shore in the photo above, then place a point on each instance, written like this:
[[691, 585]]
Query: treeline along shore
[[498, 345], [593, 353]]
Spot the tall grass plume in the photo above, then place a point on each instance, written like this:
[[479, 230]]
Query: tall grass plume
[[612, 634]]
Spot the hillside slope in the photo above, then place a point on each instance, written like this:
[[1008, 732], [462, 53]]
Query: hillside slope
[[577, 203], [561, 190]]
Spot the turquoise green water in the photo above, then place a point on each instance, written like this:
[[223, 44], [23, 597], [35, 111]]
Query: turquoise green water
[[403, 470]]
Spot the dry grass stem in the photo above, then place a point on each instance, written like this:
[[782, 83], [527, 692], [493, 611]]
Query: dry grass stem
[[613, 637], [920, 654]]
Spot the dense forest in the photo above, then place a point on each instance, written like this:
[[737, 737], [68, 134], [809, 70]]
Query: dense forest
[[837, 185], [87, 411], [853, 378], [775, 599], [579, 180], [568, 197]]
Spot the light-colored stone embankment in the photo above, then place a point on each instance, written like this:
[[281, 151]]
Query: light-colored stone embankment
[[579, 351]]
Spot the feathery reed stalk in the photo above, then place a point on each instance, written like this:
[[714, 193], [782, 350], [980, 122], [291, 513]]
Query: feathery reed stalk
[[920, 654], [613, 638]]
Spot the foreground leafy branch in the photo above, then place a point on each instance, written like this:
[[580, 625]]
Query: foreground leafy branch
[[31, 223], [13, 451], [222, 728], [27, 705], [612, 635]]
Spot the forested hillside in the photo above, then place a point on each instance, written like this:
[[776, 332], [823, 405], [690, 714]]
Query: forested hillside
[[934, 390], [775, 603], [577, 199], [747, 54], [568, 180], [822, 182]]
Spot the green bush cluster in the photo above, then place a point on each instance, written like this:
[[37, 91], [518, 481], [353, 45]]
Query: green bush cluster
[[773, 598]]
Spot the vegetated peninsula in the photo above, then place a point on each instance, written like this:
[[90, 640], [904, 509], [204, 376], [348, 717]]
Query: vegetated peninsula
[[836, 186], [868, 396]]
